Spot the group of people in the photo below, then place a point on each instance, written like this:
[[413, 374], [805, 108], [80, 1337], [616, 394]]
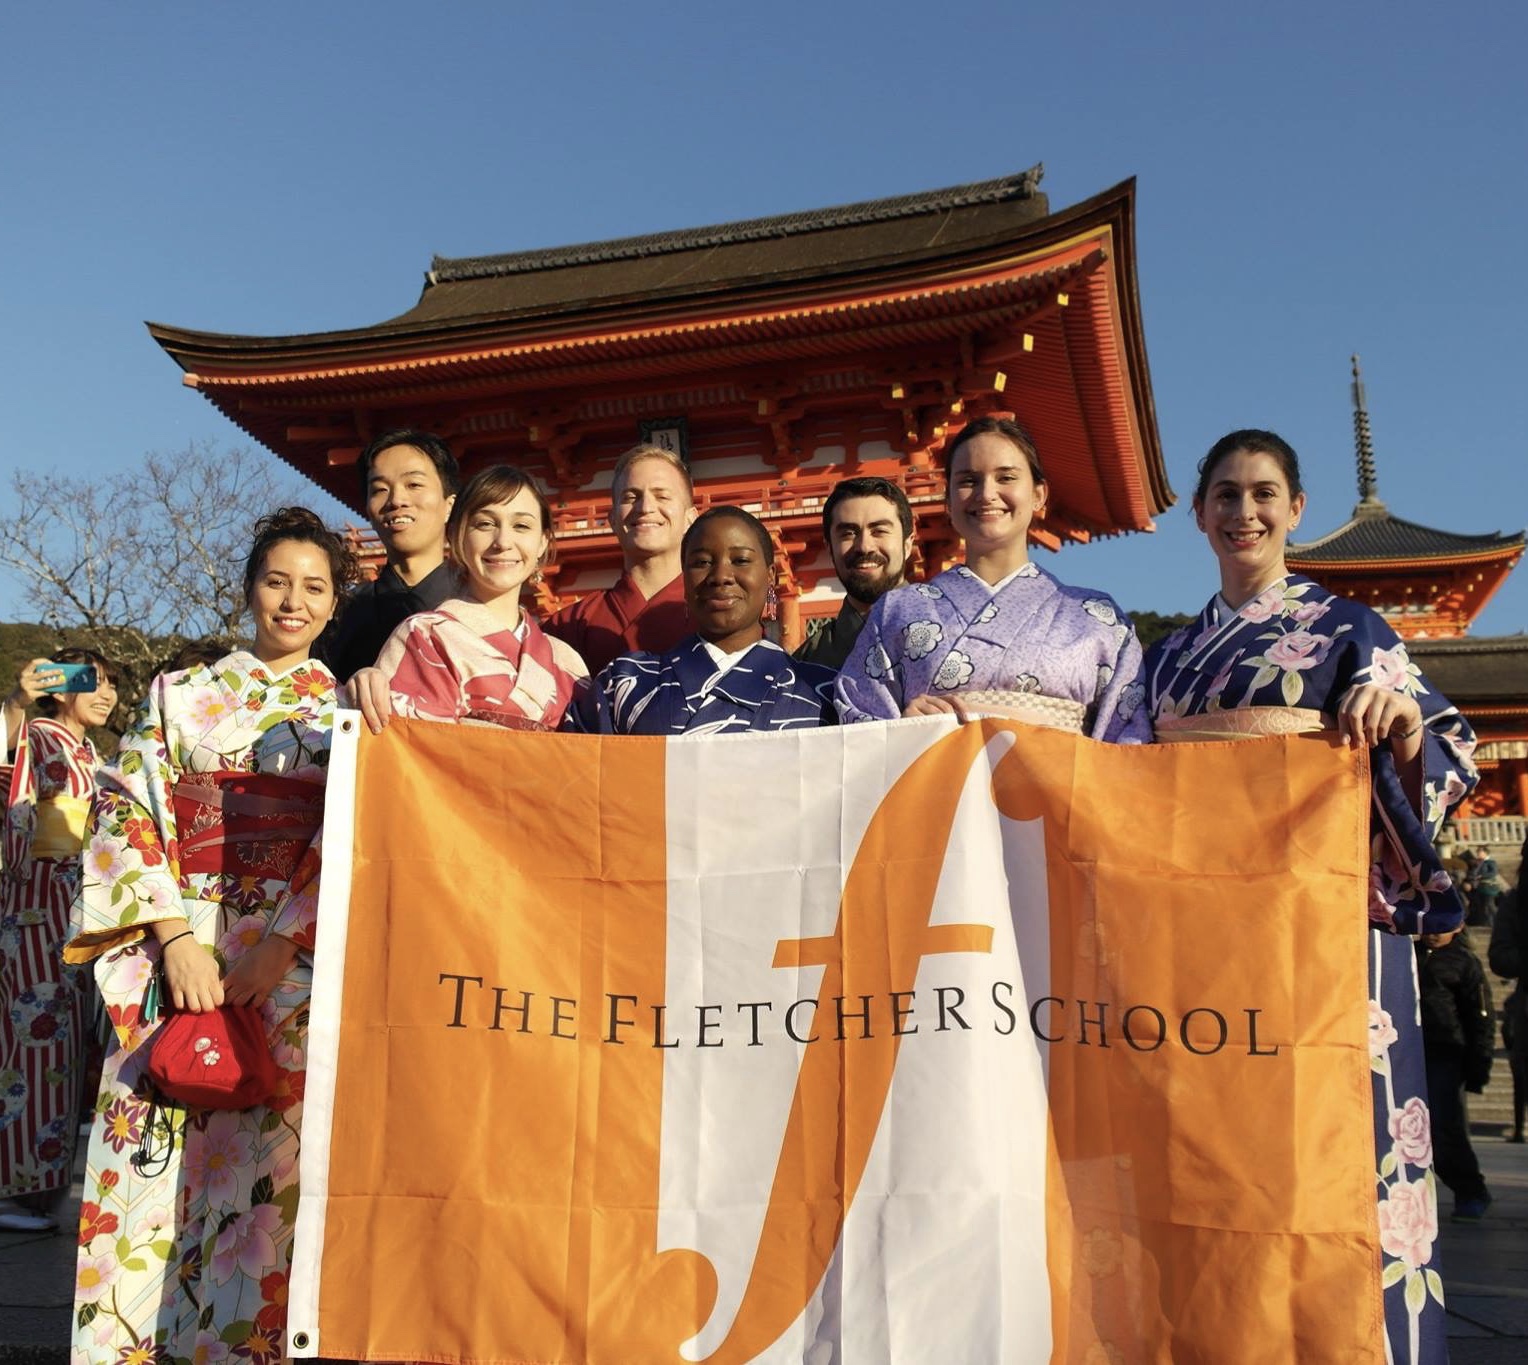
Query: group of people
[[197, 870]]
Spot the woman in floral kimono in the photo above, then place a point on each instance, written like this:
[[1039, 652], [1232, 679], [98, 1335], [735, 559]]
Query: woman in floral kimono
[[998, 634], [1274, 652], [43, 1060], [727, 677], [478, 657], [198, 867]]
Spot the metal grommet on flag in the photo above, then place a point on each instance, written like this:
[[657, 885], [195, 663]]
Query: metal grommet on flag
[[300, 1341]]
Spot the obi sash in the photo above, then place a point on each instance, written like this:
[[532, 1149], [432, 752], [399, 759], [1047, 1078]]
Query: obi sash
[[245, 824], [1250, 722], [1055, 713], [59, 831]]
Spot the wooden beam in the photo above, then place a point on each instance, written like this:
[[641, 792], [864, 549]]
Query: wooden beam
[[339, 456]]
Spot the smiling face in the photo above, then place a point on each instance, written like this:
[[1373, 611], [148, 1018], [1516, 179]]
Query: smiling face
[[292, 600], [726, 582], [80, 711], [650, 510], [502, 545], [868, 548], [993, 495], [1247, 515], [406, 503]]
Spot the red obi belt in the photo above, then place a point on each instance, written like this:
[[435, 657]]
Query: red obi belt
[[245, 824]]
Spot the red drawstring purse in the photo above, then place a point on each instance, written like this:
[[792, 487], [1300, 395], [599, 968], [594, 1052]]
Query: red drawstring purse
[[220, 1059]]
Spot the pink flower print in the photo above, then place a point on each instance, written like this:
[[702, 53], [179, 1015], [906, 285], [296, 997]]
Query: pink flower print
[[248, 1243], [1381, 1031], [206, 708], [103, 859], [215, 1157], [1221, 680], [1265, 606], [1390, 668], [209, 1349], [1299, 650], [242, 935], [94, 1276], [1408, 1223], [1411, 1132], [1307, 612], [154, 1219]]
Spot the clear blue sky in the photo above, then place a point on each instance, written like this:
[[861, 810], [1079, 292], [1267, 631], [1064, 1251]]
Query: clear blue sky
[[1313, 179]]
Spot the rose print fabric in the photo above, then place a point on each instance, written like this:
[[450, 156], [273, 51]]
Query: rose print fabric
[[953, 634], [184, 1255], [42, 1041], [682, 692], [1296, 644], [461, 663]]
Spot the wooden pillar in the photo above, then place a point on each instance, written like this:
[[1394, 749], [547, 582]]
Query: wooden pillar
[[1522, 787], [791, 633]]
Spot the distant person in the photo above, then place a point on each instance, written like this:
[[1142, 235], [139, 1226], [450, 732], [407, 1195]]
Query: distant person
[[409, 479], [1508, 956], [1485, 887], [727, 677], [1458, 1038], [652, 504], [43, 1059], [868, 527]]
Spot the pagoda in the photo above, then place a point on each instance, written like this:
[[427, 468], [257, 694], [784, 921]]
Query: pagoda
[[1430, 586], [776, 355]]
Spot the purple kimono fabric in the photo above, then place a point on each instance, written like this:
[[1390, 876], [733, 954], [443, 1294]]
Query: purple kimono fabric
[[1295, 644], [680, 692], [954, 634]]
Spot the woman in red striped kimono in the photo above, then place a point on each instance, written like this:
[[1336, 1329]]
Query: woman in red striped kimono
[[478, 657], [42, 1047]]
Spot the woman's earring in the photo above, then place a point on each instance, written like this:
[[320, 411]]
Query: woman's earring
[[771, 605]]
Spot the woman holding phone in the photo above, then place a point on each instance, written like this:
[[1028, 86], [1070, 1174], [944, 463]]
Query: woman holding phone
[[42, 1003]]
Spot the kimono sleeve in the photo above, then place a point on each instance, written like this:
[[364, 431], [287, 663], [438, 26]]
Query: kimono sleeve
[[21, 808], [419, 673], [1408, 882], [870, 684], [1120, 715], [130, 873], [613, 700]]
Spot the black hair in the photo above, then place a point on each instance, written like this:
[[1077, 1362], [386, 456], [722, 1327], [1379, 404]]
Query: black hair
[[996, 426], [867, 487], [766, 544], [1254, 442], [298, 523], [434, 446]]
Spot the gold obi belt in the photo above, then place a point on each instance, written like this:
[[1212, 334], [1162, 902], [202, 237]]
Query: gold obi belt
[[60, 828], [1250, 722], [1034, 708], [245, 824]]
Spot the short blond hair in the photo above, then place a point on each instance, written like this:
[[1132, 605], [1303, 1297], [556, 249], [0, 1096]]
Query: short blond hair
[[647, 451]]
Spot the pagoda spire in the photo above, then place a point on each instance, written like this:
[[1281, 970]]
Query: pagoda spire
[[1368, 479]]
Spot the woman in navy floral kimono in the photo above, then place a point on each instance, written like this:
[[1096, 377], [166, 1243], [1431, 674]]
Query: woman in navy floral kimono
[[998, 634], [1274, 652], [726, 677]]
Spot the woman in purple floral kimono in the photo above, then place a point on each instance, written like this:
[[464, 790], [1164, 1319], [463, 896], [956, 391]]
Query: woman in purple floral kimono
[[1274, 652], [998, 634]]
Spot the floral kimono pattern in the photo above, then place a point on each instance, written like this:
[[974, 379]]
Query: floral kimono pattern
[[1295, 644], [184, 1256], [43, 1056], [954, 634], [683, 692], [461, 663]]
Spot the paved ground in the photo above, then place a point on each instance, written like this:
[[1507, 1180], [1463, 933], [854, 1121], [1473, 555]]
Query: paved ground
[[1485, 1273]]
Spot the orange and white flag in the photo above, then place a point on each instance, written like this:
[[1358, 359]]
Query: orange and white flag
[[904, 1042]]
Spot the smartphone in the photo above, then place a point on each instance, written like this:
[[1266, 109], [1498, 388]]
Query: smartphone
[[77, 678]]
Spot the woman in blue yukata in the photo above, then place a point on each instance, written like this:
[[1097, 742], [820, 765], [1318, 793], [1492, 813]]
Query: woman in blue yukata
[[726, 677], [997, 634], [1275, 653]]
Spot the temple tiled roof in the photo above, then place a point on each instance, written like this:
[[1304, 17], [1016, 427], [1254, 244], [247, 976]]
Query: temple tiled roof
[[1373, 535], [1483, 670]]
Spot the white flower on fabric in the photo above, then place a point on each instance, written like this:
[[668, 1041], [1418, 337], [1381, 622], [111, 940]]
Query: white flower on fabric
[[103, 859], [1390, 668], [987, 613], [1101, 609], [1130, 700], [955, 671], [207, 707], [919, 639], [928, 590], [1105, 675], [1026, 682], [877, 662], [1382, 1032]]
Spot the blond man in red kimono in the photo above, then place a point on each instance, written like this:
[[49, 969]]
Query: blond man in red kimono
[[652, 504]]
